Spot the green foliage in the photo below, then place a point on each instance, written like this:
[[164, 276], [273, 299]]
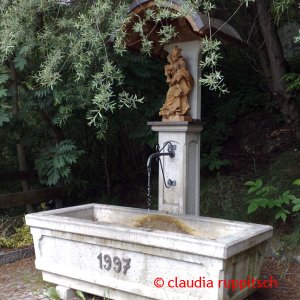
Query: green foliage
[[221, 115], [297, 182], [296, 202], [61, 49], [4, 117], [52, 293], [293, 81], [297, 37], [166, 33], [213, 161], [21, 238], [54, 162], [280, 6], [66, 71], [3, 91], [267, 197], [20, 62], [8, 224], [80, 295], [213, 78], [3, 78], [211, 54]]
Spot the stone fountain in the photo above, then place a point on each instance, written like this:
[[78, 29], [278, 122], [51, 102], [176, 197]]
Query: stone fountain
[[127, 253]]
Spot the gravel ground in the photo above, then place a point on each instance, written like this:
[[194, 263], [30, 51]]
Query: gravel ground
[[21, 281], [288, 276]]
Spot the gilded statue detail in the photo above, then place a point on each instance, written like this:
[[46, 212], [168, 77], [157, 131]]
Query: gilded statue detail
[[180, 83]]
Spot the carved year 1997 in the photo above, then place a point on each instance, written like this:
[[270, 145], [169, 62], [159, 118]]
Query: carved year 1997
[[116, 263]]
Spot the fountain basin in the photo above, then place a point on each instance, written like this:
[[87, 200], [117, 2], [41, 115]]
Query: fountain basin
[[119, 253]]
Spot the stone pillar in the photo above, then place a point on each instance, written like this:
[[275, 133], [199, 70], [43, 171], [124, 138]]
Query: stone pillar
[[184, 168], [65, 293]]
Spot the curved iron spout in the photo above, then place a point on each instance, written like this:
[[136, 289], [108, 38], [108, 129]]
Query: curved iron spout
[[170, 153], [155, 155]]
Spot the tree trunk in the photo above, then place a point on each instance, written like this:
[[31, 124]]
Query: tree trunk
[[20, 148], [277, 67], [108, 184]]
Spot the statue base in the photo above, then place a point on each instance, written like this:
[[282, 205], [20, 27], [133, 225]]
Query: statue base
[[176, 118], [183, 168]]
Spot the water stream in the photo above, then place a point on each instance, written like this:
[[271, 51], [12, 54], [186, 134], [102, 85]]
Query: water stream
[[149, 190]]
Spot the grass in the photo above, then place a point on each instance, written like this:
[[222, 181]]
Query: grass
[[52, 293], [35, 281]]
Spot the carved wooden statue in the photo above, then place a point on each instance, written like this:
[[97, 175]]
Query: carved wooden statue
[[180, 83]]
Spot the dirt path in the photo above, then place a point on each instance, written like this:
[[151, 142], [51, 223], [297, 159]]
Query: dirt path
[[288, 276], [21, 281]]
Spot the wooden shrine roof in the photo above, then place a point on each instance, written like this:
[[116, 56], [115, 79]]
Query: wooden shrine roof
[[192, 27]]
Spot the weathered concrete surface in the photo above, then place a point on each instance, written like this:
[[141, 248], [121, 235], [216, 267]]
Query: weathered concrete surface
[[65, 293], [97, 249]]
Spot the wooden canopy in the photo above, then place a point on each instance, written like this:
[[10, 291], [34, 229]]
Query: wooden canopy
[[192, 27]]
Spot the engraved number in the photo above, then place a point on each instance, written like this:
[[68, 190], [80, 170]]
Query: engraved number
[[106, 262], [127, 265], [107, 259], [118, 264], [100, 260]]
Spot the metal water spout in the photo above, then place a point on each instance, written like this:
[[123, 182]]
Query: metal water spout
[[160, 152]]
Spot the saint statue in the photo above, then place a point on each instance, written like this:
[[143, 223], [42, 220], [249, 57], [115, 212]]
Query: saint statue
[[180, 83]]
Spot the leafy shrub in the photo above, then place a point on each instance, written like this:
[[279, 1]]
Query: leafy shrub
[[293, 81], [21, 238], [268, 197], [8, 224], [213, 160], [54, 163]]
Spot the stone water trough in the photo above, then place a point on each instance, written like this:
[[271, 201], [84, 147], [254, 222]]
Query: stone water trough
[[128, 253]]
